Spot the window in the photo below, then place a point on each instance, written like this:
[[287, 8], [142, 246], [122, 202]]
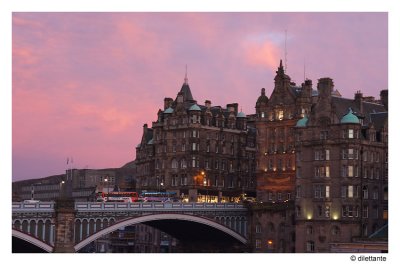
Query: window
[[335, 231], [317, 191], [195, 161], [327, 211], [350, 191], [208, 148], [174, 180], [365, 211], [298, 211], [323, 135], [309, 230], [194, 146], [184, 180], [350, 172], [298, 192], [258, 228], [174, 163], [258, 243], [365, 192], [350, 133], [327, 155], [231, 166], [280, 115], [310, 246], [183, 147], [327, 172], [279, 196], [183, 163], [327, 191]]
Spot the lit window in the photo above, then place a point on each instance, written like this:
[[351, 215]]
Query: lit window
[[327, 173], [280, 115], [350, 171], [351, 134], [350, 191], [258, 243], [327, 192]]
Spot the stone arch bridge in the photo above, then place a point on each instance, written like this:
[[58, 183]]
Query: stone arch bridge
[[68, 226]]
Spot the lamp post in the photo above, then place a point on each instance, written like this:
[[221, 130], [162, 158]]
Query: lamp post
[[205, 183], [62, 189], [108, 185]]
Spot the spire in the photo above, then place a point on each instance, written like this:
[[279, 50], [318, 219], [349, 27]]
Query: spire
[[186, 79], [280, 68], [285, 51]]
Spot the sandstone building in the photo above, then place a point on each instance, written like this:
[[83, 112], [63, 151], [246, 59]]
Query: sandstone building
[[201, 152]]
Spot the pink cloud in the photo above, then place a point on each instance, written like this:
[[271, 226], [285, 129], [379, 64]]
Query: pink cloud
[[265, 54]]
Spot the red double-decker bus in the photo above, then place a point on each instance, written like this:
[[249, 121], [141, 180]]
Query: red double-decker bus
[[117, 196]]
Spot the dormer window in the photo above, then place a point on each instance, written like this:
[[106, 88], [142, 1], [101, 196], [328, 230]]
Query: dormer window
[[280, 115]]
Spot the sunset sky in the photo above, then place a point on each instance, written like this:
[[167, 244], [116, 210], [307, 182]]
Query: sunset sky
[[83, 84]]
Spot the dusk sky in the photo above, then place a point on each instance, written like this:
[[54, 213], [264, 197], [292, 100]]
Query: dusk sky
[[83, 84]]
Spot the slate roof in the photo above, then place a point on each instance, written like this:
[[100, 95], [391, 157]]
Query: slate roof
[[378, 119], [342, 106], [187, 94]]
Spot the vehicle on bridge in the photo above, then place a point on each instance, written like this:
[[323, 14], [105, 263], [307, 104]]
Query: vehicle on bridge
[[117, 196], [154, 196]]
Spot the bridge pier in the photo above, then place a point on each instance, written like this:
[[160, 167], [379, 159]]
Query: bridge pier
[[64, 236]]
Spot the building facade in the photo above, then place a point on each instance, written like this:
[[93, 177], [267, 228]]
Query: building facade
[[275, 121], [341, 166], [202, 152]]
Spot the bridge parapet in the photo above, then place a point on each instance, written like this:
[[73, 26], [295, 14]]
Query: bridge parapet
[[22, 207], [157, 206]]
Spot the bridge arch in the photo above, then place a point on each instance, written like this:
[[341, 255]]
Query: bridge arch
[[34, 241], [154, 217]]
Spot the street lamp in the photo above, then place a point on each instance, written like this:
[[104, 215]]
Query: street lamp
[[205, 184], [108, 185], [62, 189]]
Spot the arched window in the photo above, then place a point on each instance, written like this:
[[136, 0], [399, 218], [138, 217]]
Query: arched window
[[174, 163], [183, 163], [271, 227], [365, 192], [258, 228]]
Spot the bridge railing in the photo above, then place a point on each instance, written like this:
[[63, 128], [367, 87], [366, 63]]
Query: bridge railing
[[151, 206], [36, 207]]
